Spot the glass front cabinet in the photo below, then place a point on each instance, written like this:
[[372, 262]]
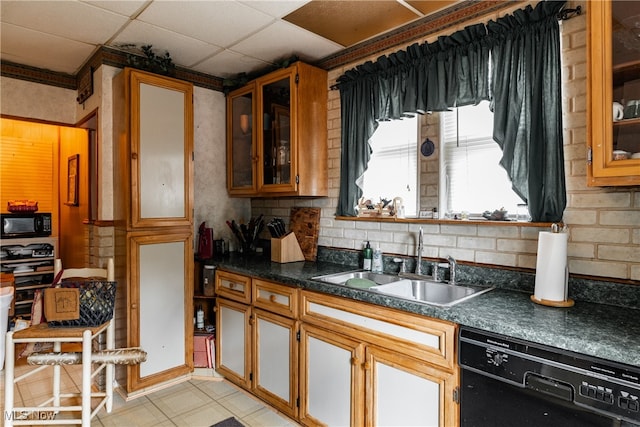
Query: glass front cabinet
[[277, 134], [614, 93]]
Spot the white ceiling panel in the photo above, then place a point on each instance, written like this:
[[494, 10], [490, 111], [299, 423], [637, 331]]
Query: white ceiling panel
[[184, 51], [282, 40], [69, 19], [37, 49], [277, 9], [227, 63], [123, 7], [218, 22], [219, 37]]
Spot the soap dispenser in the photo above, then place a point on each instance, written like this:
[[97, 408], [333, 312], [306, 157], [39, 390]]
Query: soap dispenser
[[368, 256], [376, 264]]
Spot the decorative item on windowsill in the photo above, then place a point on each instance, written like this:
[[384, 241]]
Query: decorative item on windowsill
[[383, 209], [497, 215], [247, 234]]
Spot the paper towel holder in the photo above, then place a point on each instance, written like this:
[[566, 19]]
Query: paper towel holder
[[567, 303]]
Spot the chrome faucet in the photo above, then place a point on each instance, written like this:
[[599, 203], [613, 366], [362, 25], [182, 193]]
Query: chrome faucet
[[452, 270], [419, 260]]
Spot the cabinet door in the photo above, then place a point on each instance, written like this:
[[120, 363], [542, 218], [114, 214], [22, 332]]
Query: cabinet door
[[614, 77], [160, 283], [241, 142], [275, 360], [161, 132], [277, 146], [331, 380], [233, 341], [403, 391]]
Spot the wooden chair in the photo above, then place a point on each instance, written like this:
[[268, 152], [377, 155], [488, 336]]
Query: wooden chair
[[57, 336]]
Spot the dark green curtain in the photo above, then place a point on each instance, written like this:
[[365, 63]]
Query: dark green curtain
[[527, 106], [453, 71], [427, 77]]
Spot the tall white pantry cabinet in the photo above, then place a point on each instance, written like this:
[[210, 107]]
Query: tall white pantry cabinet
[[153, 213]]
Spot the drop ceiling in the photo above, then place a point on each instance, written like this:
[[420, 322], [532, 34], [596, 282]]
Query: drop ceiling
[[218, 38]]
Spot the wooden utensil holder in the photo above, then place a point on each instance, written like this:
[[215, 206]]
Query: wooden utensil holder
[[286, 249]]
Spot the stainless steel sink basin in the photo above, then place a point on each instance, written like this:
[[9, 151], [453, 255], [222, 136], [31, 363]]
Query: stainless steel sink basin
[[430, 292], [341, 278]]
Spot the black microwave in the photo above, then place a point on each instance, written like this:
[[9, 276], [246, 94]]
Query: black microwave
[[16, 225]]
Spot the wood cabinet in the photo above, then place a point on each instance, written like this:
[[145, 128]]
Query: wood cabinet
[[326, 360], [256, 343], [277, 134], [613, 76], [153, 208], [401, 367]]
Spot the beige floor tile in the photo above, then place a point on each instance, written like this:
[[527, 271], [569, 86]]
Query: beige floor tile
[[144, 414], [241, 404], [267, 417], [180, 399], [203, 416]]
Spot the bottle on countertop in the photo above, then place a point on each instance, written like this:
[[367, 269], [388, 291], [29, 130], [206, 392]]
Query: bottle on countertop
[[368, 257], [376, 264]]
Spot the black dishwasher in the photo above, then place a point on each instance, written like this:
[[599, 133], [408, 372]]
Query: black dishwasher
[[511, 382]]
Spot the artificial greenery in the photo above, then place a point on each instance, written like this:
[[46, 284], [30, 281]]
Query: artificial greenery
[[243, 78], [150, 61]]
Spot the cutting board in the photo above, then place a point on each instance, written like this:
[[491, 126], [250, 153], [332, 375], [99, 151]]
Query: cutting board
[[305, 223]]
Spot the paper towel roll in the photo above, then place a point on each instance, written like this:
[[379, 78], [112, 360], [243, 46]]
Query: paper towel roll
[[551, 267]]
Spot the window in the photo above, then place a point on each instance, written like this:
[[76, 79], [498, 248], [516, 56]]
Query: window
[[472, 179], [392, 170]]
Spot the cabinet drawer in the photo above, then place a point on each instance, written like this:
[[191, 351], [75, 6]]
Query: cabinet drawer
[[276, 298], [413, 335], [233, 286]]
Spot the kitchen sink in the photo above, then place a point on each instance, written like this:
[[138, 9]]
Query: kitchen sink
[[342, 278], [431, 292]]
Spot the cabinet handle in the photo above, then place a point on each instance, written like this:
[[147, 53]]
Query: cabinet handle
[[232, 285], [366, 366], [272, 298], [354, 361], [134, 156]]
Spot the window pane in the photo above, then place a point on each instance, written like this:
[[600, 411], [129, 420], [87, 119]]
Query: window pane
[[392, 170], [474, 180]]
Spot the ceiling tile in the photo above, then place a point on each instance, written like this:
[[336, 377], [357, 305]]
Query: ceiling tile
[[123, 7], [222, 23], [36, 49], [282, 40], [70, 19], [277, 9], [227, 64], [430, 6], [348, 21], [184, 51]]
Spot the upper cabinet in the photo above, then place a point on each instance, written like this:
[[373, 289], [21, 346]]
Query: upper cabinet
[[154, 156], [277, 134], [614, 93]]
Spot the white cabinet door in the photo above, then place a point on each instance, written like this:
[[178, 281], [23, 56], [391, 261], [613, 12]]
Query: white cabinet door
[[403, 391], [161, 276], [233, 345], [330, 378], [275, 360]]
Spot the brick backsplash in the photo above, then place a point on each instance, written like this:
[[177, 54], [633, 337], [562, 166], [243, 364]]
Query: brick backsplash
[[604, 223]]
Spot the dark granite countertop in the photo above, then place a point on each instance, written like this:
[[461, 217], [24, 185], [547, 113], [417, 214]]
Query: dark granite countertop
[[605, 331]]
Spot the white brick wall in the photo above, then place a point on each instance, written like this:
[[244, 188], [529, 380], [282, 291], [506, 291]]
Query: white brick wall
[[604, 223]]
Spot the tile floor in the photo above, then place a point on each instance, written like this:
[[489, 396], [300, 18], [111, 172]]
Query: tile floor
[[193, 403]]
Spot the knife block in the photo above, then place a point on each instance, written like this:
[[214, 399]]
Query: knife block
[[286, 249]]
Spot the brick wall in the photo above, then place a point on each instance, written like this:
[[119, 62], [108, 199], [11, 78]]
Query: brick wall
[[604, 223]]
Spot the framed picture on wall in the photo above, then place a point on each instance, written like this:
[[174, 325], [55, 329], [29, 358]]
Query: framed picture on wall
[[72, 180]]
